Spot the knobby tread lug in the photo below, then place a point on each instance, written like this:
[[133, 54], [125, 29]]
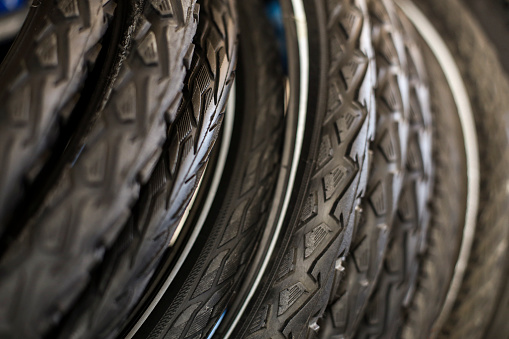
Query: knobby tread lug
[[82, 214], [191, 133], [371, 235], [40, 74], [294, 298], [387, 309]]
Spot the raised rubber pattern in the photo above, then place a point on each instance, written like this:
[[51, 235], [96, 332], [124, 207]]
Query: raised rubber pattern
[[83, 212], [486, 275], [45, 67], [378, 207], [205, 285], [295, 291], [133, 258], [386, 312]]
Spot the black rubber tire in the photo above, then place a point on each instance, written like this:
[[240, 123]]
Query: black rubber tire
[[447, 207], [388, 157], [86, 200], [43, 70], [296, 286], [389, 303], [209, 277], [485, 280], [129, 264], [492, 17]]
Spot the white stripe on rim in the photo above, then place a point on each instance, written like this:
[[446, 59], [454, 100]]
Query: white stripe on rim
[[459, 92], [223, 153], [299, 16]]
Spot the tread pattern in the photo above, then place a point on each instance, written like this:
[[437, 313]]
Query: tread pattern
[[298, 286], [486, 84], [446, 209], [134, 256], [389, 149], [205, 286], [40, 74], [386, 311], [83, 213]]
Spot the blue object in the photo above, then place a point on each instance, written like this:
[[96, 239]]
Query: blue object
[[275, 15], [7, 6], [216, 325]]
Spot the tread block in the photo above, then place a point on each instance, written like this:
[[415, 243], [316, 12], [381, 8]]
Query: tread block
[[148, 50], [235, 259], [288, 264], [250, 175], [336, 180], [339, 311], [349, 122], [391, 95], [389, 146], [361, 256], [209, 276], [181, 323], [46, 51], [232, 229], [126, 103], [19, 106], [310, 208], [314, 238], [325, 153], [353, 71], [407, 208], [351, 22], [95, 164], [69, 8], [378, 199], [163, 7], [254, 210], [260, 320], [415, 162], [388, 50], [289, 296]]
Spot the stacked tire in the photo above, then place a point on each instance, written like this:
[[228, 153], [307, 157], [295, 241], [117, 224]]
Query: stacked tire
[[252, 169]]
